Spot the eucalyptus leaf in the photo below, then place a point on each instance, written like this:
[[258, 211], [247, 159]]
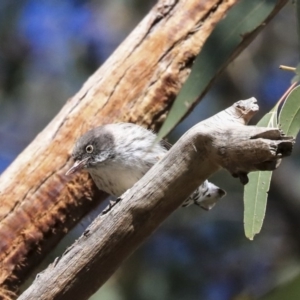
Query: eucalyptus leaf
[[242, 19], [289, 117], [256, 191], [289, 121]]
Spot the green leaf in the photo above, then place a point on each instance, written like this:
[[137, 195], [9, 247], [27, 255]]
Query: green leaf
[[256, 191], [289, 118], [242, 19]]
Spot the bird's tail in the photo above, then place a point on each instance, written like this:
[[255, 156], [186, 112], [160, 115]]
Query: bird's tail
[[206, 196]]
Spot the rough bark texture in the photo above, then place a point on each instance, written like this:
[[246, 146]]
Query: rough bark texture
[[138, 83], [245, 41], [222, 141], [38, 204]]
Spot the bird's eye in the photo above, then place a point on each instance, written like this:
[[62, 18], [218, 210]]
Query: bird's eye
[[89, 148]]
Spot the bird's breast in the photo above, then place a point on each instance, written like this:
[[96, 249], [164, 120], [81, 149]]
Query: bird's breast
[[115, 181]]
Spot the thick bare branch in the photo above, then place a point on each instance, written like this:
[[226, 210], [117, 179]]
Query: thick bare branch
[[138, 83], [222, 141], [38, 204]]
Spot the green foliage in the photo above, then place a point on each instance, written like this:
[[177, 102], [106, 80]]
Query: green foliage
[[289, 118], [256, 191], [246, 17]]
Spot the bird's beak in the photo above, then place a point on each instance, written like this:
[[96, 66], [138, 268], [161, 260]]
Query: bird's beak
[[78, 165]]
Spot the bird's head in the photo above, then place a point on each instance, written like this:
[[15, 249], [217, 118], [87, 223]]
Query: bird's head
[[92, 149]]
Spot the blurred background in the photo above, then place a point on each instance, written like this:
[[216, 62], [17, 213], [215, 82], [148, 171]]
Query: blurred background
[[49, 48]]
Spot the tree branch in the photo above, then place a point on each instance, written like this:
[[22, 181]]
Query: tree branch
[[138, 83], [38, 204], [222, 141]]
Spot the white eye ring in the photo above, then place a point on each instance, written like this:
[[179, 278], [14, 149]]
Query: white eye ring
[[89, 149]]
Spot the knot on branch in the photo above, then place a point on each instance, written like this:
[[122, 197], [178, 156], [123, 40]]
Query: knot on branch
[[262, 150], [241, 149], [246, 109]]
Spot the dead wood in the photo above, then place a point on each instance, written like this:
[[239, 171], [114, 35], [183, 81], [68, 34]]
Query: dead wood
[[38, 204], [138, 83], [223, 141]]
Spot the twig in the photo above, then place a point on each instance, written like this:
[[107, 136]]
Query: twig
[[287, 68]]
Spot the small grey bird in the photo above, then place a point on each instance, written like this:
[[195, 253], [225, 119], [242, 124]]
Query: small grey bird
[[118, 155]]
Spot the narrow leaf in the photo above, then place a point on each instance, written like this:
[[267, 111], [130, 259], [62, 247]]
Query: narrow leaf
[[289, 118], [242, 20], [256, 191]]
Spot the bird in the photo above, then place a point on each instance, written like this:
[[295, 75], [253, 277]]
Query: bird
[[117, 155]]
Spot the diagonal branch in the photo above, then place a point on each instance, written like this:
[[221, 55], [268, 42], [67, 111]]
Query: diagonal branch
[[222, 141], [138, 83]]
